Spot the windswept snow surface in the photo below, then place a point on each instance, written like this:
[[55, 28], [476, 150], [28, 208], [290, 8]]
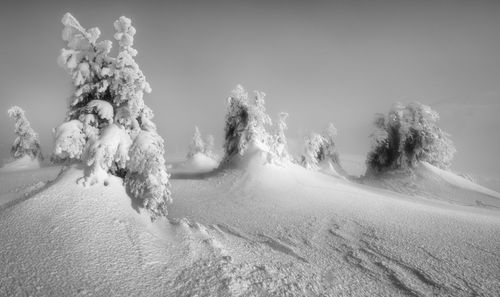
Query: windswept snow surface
[[434, 183], [23, 163], [21, 184], [264, 230]]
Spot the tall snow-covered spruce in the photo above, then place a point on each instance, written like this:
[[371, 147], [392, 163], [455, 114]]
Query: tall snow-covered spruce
[[108, 126], [406, 135], [26, 142]]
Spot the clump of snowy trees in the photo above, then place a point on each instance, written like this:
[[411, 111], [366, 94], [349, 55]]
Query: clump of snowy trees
[[406, 135], [319, 148], [108, 126], [26, 142], [247, 124], [199, 146]]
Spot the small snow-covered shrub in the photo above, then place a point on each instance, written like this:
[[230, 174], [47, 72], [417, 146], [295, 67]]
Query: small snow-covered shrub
[[406, 135], [320, 148], [107, 115], [26, 142]]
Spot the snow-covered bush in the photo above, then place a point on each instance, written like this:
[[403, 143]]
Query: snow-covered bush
[[107, 114], [406, 135], [320, 148], [197, 145], [26, 142], [312, 150], [245, 122]]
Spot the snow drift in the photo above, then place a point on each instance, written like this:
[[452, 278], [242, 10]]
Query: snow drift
[[431, 182], [249, 229], [23, 163]]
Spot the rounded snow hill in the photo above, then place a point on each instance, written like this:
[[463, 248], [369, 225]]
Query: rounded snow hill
[[198, 163], [251, 229], [23, 163]]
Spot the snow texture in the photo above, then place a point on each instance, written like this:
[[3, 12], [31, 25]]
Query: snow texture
[[254, 230]]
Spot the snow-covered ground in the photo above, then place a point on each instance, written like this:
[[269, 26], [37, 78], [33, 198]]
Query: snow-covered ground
[[24, 163], [262, 230]]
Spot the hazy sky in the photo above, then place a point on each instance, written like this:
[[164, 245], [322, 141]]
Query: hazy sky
[[322, 61]]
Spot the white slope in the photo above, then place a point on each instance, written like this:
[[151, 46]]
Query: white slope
[[330, 168], [458, 181], [431, 182], [23, 163], [260, 230], [21, 184]]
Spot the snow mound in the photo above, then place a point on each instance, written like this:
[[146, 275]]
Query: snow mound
[[23, 163], [431, 182], [256, 155], [69, 240], [198, 163]]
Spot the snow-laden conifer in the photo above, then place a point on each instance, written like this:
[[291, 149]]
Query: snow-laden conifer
[[312, 146], [108, 123], [328, 149], [26, 142], [406, 135], [246, 122]]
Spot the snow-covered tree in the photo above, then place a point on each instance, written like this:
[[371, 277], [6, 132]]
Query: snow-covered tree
[[279, 140], [258, 119], [328, 148], [108, 122], [26, 142], [406, 135], [245, 122], [312, 150], [197, 145], [320, 148]]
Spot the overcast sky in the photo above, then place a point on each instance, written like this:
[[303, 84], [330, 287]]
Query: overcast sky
[[321, 61]]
